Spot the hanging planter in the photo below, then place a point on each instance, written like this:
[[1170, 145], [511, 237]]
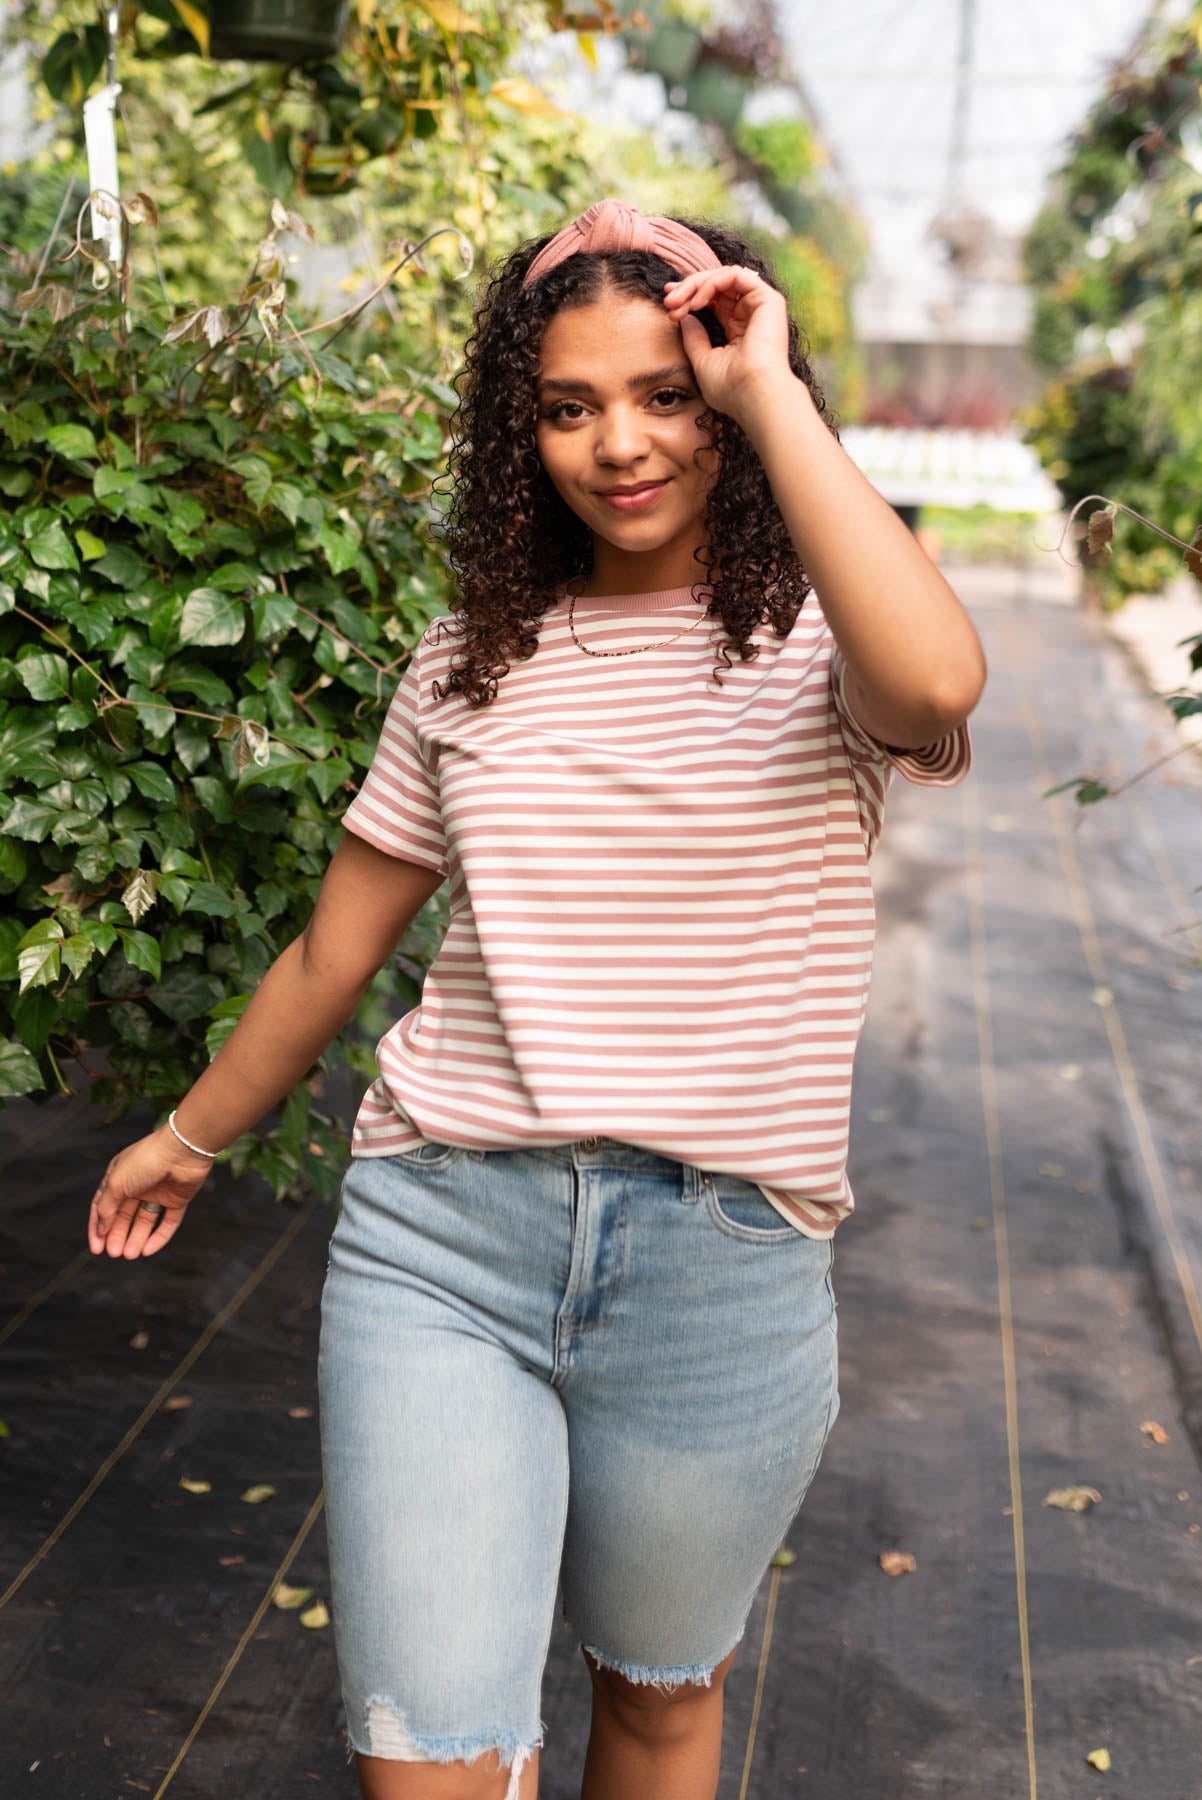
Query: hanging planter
[[283, 31], [673, 49], [713, 92]]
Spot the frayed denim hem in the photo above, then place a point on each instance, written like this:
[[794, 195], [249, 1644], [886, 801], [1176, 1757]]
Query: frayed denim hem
[[666, 1680], [386, 1736]]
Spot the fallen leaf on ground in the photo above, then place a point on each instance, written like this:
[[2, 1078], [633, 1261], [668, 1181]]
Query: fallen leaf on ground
[[177, 1402], [300, 1412], [227, 1562], [1102, 996], [139, 1340], [1099, 1759], [1073, 1499], [782, 1559], [897, 1562], [195, 1487], [289, 1598], [1055, 1170], [255, 1496], [316, 1617], [1156, 1432], [1070, 1071]]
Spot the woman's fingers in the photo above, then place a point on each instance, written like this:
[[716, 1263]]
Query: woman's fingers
[[148, 1173], [142, 1226]]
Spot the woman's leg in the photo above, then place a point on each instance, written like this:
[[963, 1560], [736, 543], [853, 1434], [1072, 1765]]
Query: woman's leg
[[699, 1379], [380, 1779], [445, 1459], [645, 1742]]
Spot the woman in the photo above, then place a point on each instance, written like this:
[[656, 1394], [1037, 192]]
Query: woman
[[578, 1323]]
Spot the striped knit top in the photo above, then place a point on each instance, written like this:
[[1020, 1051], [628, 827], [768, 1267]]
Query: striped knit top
[[661, 917]]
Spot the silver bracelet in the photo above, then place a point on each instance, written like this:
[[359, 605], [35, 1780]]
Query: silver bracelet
[[183, 1140]]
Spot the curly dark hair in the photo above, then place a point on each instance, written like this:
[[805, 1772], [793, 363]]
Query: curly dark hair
[[510, 537]]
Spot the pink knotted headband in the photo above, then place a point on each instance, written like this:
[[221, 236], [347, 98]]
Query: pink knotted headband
[[611, 224]]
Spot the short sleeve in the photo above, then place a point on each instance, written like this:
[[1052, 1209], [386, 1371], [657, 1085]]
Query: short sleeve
[[940, 764], [397, 806]]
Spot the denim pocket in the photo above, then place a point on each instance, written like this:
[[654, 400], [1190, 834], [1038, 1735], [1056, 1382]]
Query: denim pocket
[[738, 1208], [431, 1154]]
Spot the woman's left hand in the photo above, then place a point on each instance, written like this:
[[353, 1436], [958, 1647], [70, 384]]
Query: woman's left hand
[[755, 357]]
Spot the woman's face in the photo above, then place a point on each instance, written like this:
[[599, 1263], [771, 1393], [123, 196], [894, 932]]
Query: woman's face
[[618, 407]]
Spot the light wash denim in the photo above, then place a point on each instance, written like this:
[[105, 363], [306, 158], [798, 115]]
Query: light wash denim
[[586, 1364]]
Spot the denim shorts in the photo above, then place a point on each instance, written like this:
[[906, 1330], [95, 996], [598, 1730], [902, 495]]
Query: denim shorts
[[588, 1365]]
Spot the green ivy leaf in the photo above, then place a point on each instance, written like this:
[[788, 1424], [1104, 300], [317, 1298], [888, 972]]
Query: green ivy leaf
[[38, 954], [74, 441], [31, 819], [328, 777], [211, 617], [123, 566], [185, 994], [228, 1012], [46, 675], [132, 1023], [339, 550], [272, 613], [152, 780], [78, 951], [13, 862], [141, 950], [51, 548], [209, 899], [98, 933], [19, 1071]]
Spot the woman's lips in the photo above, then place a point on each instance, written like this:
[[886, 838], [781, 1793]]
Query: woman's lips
[[646, 497]]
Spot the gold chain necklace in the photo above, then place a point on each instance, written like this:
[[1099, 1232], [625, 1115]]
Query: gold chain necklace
[[638, 647]]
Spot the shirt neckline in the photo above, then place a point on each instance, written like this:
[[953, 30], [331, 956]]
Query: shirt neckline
[[658, 600]]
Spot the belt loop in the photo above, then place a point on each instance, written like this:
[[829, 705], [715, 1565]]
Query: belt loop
[[693, 1185]]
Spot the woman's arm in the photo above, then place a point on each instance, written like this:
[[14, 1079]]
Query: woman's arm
[[914, 656], [367, 902]]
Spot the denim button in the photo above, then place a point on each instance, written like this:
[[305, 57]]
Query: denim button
[[590, 1143]]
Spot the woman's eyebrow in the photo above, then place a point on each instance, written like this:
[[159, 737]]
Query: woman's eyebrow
[[555, 385]]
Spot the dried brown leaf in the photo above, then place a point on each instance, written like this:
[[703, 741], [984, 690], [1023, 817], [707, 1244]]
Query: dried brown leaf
[[290, 1598], [897, 1562], [1073, 1499], [1101, 529]]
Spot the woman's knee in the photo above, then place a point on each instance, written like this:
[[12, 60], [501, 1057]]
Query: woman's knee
[[644, 1698]]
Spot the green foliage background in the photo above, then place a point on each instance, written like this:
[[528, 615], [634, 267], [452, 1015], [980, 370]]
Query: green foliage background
[[1115, 261]]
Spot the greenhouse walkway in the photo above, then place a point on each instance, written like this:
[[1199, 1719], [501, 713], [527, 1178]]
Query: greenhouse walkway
[[1018, 1316]]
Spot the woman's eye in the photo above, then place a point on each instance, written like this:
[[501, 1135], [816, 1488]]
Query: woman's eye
[[559, 410]]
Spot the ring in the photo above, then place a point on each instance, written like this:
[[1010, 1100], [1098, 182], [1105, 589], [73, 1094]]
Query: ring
[[155, 1211]]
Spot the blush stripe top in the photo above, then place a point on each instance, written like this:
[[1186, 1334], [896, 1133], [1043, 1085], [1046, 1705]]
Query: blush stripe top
[[661, 916]]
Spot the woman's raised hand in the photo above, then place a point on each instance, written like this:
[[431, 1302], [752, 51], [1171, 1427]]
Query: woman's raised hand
[[155, 1171], [754, 361]]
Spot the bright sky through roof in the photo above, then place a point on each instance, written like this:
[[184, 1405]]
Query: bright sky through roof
[[881, 77]]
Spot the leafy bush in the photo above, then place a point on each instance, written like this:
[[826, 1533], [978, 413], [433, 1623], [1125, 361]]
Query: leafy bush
[[213, 565], [783, 147]]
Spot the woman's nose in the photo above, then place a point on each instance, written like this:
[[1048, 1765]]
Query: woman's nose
[[622, 436]]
